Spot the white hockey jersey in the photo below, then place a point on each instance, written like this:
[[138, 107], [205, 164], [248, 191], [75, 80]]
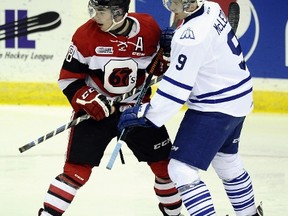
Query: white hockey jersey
[[207, 69]]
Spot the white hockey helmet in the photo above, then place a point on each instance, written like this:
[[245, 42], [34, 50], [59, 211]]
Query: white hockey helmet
[[185, 4]]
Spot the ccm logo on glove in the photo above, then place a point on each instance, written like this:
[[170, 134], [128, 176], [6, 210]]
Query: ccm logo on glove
[[87, 93], [94, 103]]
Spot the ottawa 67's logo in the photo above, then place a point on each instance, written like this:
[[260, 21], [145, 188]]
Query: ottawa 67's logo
[[120, 75]]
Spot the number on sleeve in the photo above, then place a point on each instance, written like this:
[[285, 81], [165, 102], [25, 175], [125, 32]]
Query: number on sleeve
[[236, 50]]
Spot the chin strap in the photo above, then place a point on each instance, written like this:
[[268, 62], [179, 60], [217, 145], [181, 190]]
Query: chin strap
[[114, 23]]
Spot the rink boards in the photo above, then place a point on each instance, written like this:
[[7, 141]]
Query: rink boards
[[34, 93]]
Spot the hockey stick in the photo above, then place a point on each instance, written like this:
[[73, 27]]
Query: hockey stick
[[233, 18], [124, 132], [82, 118], [53, 133], [42, 22], [128, 94], [234, 15]]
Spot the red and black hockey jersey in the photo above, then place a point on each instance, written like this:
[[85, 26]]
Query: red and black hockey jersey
[[111, 64]]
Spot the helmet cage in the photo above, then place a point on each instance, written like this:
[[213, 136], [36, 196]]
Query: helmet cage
[[117, 7], [185, 4]]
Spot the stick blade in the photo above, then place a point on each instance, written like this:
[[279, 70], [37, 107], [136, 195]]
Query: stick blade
[[234, 15]]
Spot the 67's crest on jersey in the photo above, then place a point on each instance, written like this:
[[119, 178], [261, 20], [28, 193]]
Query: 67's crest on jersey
[[120, 75]]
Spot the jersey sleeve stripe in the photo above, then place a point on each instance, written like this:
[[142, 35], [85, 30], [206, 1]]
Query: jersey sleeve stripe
[[177, 100], [221, 100], [224, 89], [174, 82]]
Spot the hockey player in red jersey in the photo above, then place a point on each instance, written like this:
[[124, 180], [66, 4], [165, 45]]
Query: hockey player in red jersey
[[108, 56]]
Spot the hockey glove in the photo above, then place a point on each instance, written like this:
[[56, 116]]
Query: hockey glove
[[161, 67], [165, 40], [95, 104], [134, 117], [165, 45]]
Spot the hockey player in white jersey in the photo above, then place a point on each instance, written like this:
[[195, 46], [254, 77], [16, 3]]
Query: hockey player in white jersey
[[208, 73]]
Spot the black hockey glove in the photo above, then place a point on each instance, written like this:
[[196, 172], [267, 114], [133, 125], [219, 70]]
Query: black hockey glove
[[165, 40]]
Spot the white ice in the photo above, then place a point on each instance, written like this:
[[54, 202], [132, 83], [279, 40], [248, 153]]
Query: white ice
[[127, 189]]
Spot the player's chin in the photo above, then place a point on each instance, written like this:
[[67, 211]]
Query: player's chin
[[102, 27], [180, 16]]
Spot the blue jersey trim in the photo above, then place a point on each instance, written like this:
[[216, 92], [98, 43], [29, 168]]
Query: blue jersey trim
[[170, 97], [224, 90], [214, 101], [174, 82], [196, 14]]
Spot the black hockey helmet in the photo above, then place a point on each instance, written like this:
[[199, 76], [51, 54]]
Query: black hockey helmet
[[117, 7]]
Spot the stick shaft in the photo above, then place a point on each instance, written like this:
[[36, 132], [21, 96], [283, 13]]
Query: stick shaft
[[114, 154], [80, 119], [53, 133], [138, 102]]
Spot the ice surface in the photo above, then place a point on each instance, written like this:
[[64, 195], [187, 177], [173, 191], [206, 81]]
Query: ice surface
[[126, 189]]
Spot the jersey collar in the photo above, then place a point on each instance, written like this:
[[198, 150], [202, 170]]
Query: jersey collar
[[196, 14]]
